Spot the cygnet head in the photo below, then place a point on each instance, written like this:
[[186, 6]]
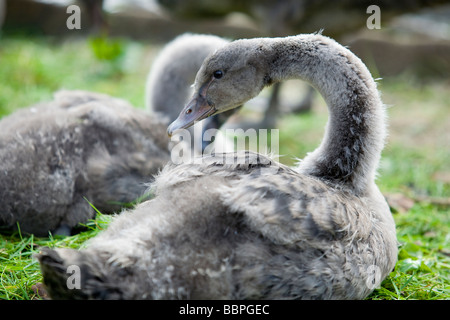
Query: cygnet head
[[227, 79]]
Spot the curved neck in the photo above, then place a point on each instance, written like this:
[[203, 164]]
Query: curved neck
[[354, 136]]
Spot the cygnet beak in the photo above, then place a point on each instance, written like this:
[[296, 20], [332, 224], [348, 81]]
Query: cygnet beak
[[197, 109]]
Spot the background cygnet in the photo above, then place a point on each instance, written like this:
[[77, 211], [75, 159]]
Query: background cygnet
[[82, 146], [174, 67]]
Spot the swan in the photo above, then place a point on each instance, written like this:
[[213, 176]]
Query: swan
[[84, 145], [174, 67], [80, 145], [240, 225]]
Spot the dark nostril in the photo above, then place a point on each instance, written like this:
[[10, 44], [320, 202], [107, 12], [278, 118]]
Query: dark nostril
[[188, 111]]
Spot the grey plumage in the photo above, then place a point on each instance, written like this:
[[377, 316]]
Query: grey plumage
[[86, 145], [79, 145], [241, 226], [175, 67]]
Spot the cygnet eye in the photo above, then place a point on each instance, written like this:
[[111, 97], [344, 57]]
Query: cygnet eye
[[218, 74]]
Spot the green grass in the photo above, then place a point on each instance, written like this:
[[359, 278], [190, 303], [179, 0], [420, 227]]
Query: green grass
[[414, 163], [33, 68], [19, 271]]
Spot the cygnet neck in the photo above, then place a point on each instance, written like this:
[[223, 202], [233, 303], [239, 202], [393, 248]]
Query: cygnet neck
[[354, 136]]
